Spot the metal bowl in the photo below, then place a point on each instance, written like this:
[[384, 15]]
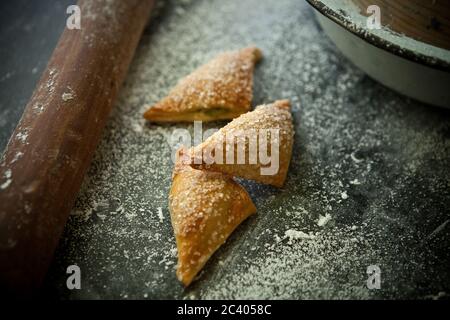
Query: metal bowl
[[412, 67]]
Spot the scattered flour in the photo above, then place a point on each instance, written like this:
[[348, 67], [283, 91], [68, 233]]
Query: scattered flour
[[160, 215], [346, 126], [344, 195], [69, 95], [323, 220], [22, 136], [355, 159], [8, 180], [66, 96], [292, 234], [17, 156]]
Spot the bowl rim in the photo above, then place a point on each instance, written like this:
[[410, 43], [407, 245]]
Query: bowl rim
[[340, 17]]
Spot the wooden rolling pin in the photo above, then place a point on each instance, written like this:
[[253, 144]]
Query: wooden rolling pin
[[50, 150]]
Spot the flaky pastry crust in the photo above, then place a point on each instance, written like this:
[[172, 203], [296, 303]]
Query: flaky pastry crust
[[219, 90], [205, 208], [276, 115]]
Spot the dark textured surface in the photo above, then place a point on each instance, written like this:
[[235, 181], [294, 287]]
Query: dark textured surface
[[374, 162], [29, 32]]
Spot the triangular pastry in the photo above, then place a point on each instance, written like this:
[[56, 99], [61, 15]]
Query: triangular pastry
[[265, 136], [220, 89], [205, 208]]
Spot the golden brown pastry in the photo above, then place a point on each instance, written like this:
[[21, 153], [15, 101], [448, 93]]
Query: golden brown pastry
[[224, 151], [219, 90], [205, 208]]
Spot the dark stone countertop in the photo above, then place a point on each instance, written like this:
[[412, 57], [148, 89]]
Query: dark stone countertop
[[369, 162]]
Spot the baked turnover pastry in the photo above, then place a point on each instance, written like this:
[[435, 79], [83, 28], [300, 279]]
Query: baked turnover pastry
[[256, 146], [205, 208], [219, 90]]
